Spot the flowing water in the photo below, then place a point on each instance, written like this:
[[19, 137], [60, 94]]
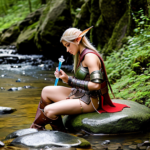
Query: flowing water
[[25, 101]]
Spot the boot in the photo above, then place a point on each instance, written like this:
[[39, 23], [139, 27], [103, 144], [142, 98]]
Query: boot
[[57, 125], [38, 112], [42, 120]]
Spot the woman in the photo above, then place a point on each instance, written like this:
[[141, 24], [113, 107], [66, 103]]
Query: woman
[[89, 90]]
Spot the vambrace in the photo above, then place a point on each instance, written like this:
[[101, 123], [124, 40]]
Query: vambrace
[[78, 83], [97, 76]]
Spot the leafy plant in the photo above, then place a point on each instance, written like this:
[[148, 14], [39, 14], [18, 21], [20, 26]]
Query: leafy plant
[[129, 68]]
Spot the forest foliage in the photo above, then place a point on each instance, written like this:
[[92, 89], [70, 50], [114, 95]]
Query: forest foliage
[[129, 68], [13, 11]]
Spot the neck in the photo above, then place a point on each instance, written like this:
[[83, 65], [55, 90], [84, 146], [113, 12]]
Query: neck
[[81, 48]]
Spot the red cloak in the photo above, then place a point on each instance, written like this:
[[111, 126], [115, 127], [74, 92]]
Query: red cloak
[[106, 104]]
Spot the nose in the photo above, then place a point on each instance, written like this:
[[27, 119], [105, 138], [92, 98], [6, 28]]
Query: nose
[[67, 49]]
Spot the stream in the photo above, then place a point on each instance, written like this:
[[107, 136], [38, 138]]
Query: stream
[[26, 100]]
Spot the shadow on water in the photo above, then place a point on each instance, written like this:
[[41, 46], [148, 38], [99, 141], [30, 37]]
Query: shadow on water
[[26, 102]]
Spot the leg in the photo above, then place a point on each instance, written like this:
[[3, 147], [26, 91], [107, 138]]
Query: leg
[[50, 94], [55, 93], [68, 107]]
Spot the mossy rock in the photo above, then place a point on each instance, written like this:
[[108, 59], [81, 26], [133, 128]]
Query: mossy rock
[[25, 41], [9, 36], [55, 19], [41, 139], [133, 119]]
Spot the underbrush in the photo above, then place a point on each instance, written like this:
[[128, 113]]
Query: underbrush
[[17, 13], [128, 68]]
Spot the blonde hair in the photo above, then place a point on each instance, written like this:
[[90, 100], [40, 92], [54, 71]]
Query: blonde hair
[[71, 34]]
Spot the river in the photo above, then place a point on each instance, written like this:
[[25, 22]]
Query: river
[[26, 100]]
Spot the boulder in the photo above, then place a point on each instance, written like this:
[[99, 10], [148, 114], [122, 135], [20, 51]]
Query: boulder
[[9, 36], [88, 16], [133, 119], [31, 19], [44, 139], [25, 41], [20, 132], [6, 110], [55, 19]]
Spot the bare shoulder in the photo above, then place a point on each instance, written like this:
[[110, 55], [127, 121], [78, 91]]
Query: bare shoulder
[[91, 59]]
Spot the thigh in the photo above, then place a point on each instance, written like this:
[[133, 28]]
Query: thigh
[[55, 93], [68, 107]]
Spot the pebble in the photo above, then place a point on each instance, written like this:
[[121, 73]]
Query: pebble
[[27, 87], [2, 75], [133, 147], [2, 88], [15, 89], [2, 144], [18, 80]]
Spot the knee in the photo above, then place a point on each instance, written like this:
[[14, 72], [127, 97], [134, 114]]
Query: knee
[[49, 112], [45, 90]]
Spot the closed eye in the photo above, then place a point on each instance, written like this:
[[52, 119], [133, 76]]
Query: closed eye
[[68, 45]]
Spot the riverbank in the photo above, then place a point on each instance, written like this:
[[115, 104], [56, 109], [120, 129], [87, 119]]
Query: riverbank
[[26, 101]]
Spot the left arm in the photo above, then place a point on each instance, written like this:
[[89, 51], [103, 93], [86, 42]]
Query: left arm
[[93, 63]]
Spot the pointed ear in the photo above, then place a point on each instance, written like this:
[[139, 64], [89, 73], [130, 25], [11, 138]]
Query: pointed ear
[[85, 31], [78, 39]]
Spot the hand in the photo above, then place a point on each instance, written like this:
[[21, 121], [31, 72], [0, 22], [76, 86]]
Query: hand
[[61, 74]]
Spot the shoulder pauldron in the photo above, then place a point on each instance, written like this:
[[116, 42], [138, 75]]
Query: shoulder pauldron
[[97, 76]]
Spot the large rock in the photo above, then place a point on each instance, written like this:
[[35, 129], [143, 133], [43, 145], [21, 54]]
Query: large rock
[[31, 19], [6, 110], [20, 132], [88, 16], [25, 41], [55, 19], [9, 36], [135, 118], [43, 139]]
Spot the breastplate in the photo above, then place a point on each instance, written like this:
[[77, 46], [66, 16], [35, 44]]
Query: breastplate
[[81, 72]]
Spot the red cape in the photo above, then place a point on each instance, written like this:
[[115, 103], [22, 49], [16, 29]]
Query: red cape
[[106, 104]]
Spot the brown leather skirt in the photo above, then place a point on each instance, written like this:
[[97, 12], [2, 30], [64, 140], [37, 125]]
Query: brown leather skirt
[[82, 95]]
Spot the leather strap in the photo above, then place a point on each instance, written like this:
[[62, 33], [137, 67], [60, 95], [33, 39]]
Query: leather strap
[[84, 52]]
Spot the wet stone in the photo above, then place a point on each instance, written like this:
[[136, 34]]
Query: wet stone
[[6, 110], [27, 87], [106, 142], [15, 66], [132, 147], [15, 89], [142, 148], [111, 123], [49, 138], [20, 133], [2, 88], [18, 80], [127, 143], [148, 148], [2, 144], [114, 147], [145, 143]]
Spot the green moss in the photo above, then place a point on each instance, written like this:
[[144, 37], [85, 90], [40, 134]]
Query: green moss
[[119, 32], [33, 26], [82, 18], [84, 143]]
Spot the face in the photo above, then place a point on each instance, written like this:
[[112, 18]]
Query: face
[[71, 47]]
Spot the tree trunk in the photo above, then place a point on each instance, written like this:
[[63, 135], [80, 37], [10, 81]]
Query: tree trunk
[[30, 7], [43, 2]]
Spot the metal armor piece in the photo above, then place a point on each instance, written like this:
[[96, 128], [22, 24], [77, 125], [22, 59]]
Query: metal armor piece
[[81, 72], [78, 83], [97, 76], [80, 94]]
